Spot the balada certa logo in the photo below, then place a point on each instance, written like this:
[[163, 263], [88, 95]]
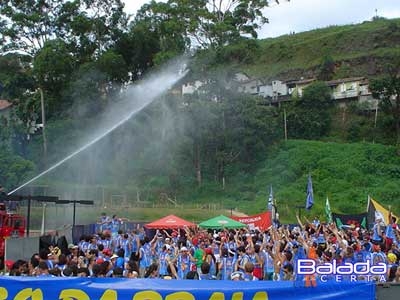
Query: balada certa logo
[[340, 272]]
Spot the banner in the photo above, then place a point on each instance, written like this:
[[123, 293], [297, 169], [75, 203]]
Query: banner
[[353, 220], [45, 288], [260, 221]]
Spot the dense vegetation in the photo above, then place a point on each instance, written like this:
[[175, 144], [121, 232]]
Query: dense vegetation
[[215, 146]]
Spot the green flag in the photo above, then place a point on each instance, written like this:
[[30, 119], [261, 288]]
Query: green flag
[[328, 211], [364, 223], [339, 223]]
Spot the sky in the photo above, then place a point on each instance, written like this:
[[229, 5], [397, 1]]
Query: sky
[[304, 15]]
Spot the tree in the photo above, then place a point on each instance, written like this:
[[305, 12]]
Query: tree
[[89, 26], [310, 117], [209, 23], [387, 89], [17, 81], [13, 169], [159, 21], [53, 66]]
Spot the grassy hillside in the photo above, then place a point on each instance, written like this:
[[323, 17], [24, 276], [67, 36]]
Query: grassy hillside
[[346, 173], [358, 50]]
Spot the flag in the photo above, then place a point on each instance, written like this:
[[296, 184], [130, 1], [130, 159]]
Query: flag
[[350, 221], [328, 211], [310, 194], [377, 212], [339, 223], [270, 199], [364, 222]]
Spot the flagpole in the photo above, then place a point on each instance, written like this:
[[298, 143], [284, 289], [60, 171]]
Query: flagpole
[[299, 207]]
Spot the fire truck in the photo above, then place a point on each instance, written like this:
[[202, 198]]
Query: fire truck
[[12, 225]]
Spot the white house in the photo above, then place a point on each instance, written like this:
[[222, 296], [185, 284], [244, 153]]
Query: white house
[[274, 90]]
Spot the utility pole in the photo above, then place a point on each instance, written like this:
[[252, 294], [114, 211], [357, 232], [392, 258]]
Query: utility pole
[[43, 127], [285, 123], [375, 121]]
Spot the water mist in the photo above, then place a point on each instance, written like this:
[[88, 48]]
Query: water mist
[[135, 99]]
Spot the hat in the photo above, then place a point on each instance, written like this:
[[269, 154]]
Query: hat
[[392, 258], [99, 260], [107, 252], [72, 246], [236, 275], [114, 256], [184, 248], [167, 239]]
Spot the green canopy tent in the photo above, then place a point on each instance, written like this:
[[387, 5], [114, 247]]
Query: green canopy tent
[[221, 222]]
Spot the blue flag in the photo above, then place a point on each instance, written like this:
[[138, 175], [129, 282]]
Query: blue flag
[[270, 199], [310, 194]]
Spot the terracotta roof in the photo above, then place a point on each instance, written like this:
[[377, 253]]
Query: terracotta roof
[[4, 104]]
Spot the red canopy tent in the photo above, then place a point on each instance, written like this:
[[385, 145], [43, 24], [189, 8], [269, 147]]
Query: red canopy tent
[[170, 222]]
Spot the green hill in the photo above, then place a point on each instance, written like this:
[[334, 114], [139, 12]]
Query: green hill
[[345, 173], [358, 50]]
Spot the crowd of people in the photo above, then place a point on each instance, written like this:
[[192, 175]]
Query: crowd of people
[[226, 254]]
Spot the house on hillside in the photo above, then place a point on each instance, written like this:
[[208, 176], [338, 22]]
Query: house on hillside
[[296, 87], [352, 89], [345, 88], [274, 90], [248, 85]]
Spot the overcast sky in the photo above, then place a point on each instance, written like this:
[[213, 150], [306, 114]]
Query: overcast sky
[[304, 15]]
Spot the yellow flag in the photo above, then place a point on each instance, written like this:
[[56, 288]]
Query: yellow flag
[[380, 210]]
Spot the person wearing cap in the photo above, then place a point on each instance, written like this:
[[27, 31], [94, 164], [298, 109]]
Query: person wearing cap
[[237, 276], [211, 260], [73, 252], [165, 261], [183, 262], [159, 244]]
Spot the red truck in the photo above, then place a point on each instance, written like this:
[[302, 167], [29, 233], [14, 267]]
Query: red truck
[[11, 225]]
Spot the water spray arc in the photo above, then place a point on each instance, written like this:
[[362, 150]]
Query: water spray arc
[[149, 89]]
